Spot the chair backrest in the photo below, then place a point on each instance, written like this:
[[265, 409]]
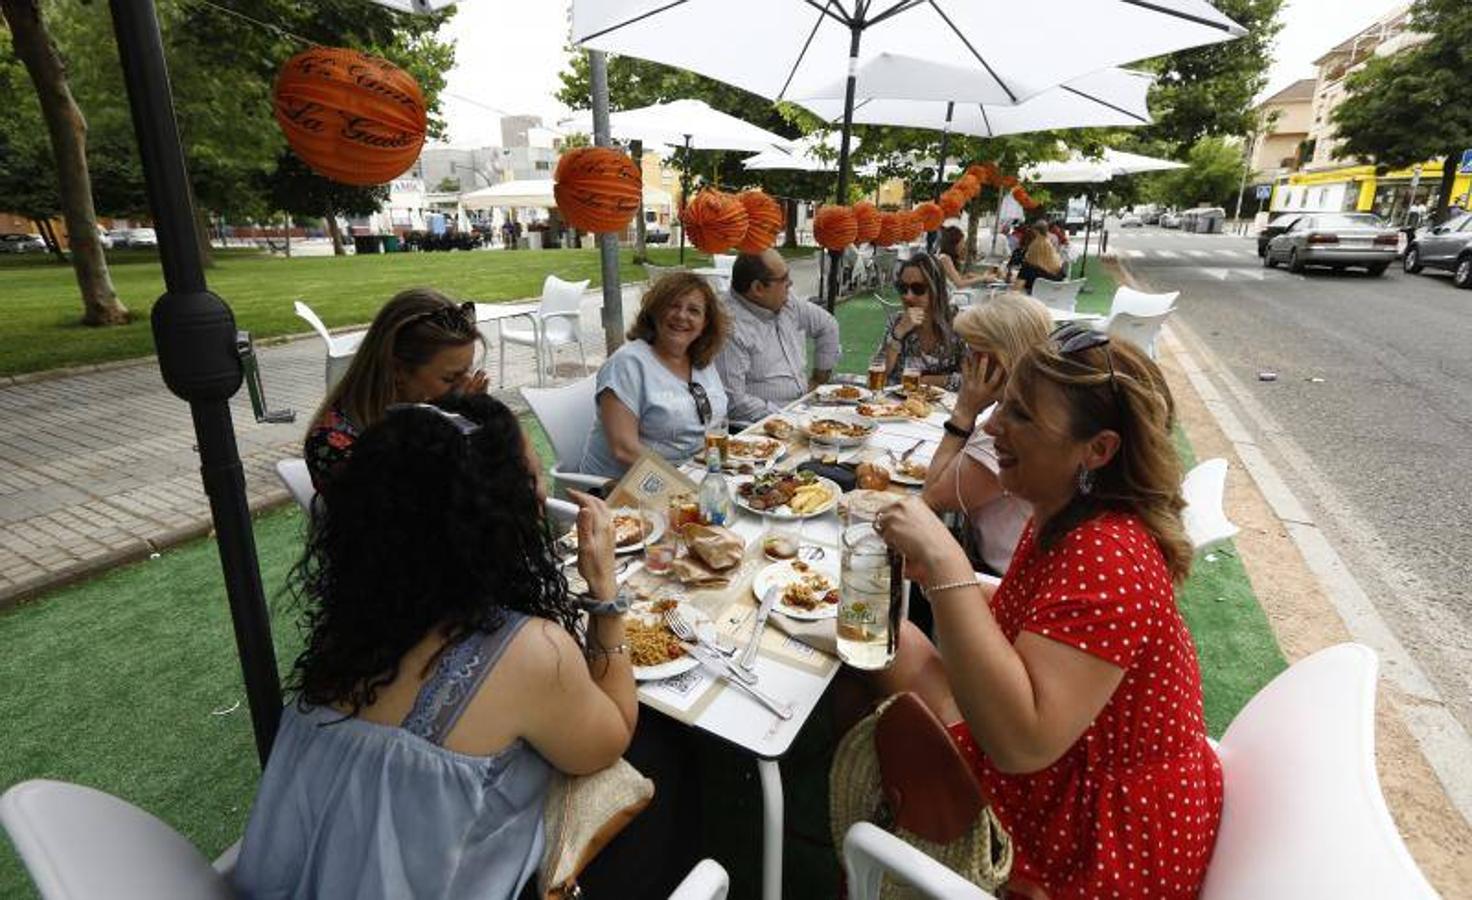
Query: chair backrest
[[654, 273], [1059, 295], [1303, 813], [707, 881], [298, 480], [1139, 303], [1205, 489], [563, 512], [562, 296], [78, 843], [723, 261], [312, 319], [1138, 330], [566, 414], [870, 853]]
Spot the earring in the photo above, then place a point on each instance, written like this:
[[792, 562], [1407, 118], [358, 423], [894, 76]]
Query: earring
[[1085, 480]]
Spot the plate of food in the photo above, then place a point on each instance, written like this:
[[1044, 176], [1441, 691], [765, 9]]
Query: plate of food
[[779, 428], [911, 471], [895, 410], [809, 590], [787, 495], [927, 392], [653, 649], [840, 431], [628, 530], [842, 393], [755, 449]]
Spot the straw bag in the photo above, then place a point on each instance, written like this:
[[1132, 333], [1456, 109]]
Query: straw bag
[[582, 814], [899, 769]]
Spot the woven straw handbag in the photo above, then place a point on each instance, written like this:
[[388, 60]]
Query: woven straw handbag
[[581, 815], [899, 769]]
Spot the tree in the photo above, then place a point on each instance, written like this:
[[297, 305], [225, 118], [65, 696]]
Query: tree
[[1411, 106], [1213, 176], [67, 130], [298, 190]]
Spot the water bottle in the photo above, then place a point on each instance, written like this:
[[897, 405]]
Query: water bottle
[[715, 494]]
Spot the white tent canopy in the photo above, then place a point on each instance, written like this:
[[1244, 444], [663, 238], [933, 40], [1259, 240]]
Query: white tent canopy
[[538, 193], [681, 123], [814, 153], [1083, 170]]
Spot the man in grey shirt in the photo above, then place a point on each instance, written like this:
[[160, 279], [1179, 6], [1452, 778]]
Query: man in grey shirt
[[764, 361]]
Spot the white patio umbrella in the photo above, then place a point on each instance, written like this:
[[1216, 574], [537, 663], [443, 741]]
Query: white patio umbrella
[[538, 193], [789, 48], [813, 153]]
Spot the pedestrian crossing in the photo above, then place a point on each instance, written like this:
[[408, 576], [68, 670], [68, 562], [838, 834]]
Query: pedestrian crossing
[[1243, 254]]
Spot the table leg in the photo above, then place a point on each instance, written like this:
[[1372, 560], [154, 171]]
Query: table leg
[[771, 778]]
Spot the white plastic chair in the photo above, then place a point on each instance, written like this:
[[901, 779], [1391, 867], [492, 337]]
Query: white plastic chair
[[563, 512], [1139, 303], [724, 261], [870, 852], [557, 322], [1303, 814], [1205, 488], [298, 480], [78, 843], [707, 881], [340, 347], [567, 414], [1059, 295], [1137, 329]]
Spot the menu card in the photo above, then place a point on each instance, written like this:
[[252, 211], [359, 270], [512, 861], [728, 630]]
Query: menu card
[[650, 482]]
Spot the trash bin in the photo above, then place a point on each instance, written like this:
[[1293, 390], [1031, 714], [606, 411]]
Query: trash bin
[[366, 243], [391, 243], [1209, 221], [534, 240]]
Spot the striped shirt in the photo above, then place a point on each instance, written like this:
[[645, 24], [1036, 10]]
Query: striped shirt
[[764, 362]]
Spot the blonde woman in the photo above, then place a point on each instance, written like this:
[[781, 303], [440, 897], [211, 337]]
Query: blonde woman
[[963, 474], [1041, 260]]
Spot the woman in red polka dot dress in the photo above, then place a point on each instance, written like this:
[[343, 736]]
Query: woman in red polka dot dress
[[1074, 689]]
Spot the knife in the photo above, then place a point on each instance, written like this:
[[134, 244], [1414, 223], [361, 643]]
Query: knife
[[747, 660], [724, 670]]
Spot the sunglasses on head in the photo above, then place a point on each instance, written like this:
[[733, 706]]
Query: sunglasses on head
[[451, 318], [918, 288], [702, 401], [464, 425], [1074, 337]]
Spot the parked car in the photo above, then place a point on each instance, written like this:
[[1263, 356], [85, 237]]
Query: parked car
[[21, 243], [655, 234], [1276, 226], [1129, 220], [135, 237], [104, 239], [1170, 220], [1445, 246], [1336, 240]]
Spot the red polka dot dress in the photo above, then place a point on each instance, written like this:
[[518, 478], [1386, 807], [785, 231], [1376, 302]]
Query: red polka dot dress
[[1131, 809]]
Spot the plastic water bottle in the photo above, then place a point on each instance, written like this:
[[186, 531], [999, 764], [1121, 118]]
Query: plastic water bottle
[[715, 494]]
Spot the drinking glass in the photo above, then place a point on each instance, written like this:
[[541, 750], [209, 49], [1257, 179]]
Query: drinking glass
[[910, 378], [878, 372], [717, 435], [659, 552]]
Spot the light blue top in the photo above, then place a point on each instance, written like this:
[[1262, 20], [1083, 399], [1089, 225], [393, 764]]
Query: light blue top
[[351, 808], [669, 423]]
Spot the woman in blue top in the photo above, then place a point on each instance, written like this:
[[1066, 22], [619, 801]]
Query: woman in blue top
[[659, 390], [445, 674]]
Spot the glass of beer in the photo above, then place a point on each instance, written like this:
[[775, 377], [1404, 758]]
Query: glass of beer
[[872, 598], [910, 378], [878, 372], [717, 435]]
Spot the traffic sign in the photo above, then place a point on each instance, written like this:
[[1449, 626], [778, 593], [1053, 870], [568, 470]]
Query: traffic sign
[[1264, 191], [1466, 166]]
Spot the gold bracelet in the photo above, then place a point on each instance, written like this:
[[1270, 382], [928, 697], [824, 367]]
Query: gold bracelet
[[951, 586]]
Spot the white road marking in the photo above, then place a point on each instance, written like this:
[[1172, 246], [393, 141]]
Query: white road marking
[[1167, 254], [1132, 254], [1200, 254]]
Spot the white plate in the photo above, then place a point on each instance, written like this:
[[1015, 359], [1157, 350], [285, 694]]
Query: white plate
[[933, 395], [783, 512], [783, 574], [657, 524], [842, 441], [826, 394], [897, 477], [703, 626], [780, 452]]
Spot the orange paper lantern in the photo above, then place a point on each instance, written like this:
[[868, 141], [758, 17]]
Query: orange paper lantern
[[951, 202], [890, 228], [835, 227], [931, 215], [1023, 198], [715, 221], [351, 117], [1009, 182], [867, 216], [968, 185], [765, 220], [597, 189], [913, 227]]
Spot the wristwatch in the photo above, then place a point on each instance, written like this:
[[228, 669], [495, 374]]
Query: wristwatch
[[957, 430]]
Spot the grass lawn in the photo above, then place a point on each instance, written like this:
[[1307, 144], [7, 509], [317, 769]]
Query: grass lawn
[[130, 683]]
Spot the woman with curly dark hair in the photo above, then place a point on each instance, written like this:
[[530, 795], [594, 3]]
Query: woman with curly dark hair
[[445, 673]]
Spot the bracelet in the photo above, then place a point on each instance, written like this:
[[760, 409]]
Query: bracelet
[[590, 650], [951, 586], [962, 433]]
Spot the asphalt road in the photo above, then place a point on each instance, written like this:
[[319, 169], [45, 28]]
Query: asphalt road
[[1374, 389]]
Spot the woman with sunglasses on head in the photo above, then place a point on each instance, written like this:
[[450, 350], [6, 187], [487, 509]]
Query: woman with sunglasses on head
[[660, 389], [920, 333], [420, 348], [1074, 690], [1040, 259], [446, 675]]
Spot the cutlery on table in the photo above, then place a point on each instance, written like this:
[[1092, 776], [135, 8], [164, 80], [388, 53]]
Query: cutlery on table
[[724, 670], [747, 659], [683, 630]]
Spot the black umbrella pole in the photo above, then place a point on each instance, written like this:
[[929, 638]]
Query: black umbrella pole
[[835, 257], [194, 333]]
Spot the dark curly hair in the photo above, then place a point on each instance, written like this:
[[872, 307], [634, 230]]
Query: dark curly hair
[[424, 527]]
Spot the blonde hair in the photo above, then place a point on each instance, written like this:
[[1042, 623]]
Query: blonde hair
[[665, 291], [1042, 254], [1005, 327], [1116, 386]]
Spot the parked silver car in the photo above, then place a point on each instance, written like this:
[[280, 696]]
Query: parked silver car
[[1445, 246], [1335, 240], [21, 243]]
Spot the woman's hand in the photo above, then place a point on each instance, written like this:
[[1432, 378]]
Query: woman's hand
[[982, 380], [595, 545], [913, 318], [912, 528], [473, 383]]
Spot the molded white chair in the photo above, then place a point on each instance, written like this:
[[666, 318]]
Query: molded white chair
[[1304, 816], [1137, 329], [1204, 488], [653, 273], [1059, 295], [567, 414], [724, 261], [1139, 303], [298, 480], [78, 843], [340, 347], [707, 881], [563, 512], [557, 322], [870, 852]]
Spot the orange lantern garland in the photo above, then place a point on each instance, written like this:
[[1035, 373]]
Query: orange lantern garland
[[1023, 199], [597, 189], [931, 215], [715, 221], [951, 202], [913, 226], [351, 117], [765, 219], [889, 229], [866, 215], [835, 227], [969, 185], [1009, 182]]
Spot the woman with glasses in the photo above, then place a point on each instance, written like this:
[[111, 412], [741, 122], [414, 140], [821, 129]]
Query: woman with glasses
[[1073, 689], [447, 672], [660, 389], [920, 334], [420, 347]]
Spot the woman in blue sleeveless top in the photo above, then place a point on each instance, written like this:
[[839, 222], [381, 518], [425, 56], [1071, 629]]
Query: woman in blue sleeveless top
[[445, 673]]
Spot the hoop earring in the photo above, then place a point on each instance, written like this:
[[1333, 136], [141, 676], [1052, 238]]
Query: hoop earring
[[1085, 481]]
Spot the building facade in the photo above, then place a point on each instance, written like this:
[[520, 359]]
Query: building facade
[[1285, 117]]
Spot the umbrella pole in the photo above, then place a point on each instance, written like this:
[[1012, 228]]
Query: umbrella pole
[[940, 168], [613, 305], [1083, 269], [835, 257], [684, 196], [194, 332]]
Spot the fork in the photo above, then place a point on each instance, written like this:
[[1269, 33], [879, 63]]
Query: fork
[[686, 632]]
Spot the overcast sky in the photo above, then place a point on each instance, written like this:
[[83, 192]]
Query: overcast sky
[[510, 53]]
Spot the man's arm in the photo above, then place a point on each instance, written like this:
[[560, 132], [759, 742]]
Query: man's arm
[[733, 362], [823, 329]]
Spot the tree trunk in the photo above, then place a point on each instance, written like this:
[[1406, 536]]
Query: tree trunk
[[332, 228], [48, 234], [202, 228], [641, 253], [288, 235], [790, 209], [1448, 183], [68, 132], [973, 229]]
